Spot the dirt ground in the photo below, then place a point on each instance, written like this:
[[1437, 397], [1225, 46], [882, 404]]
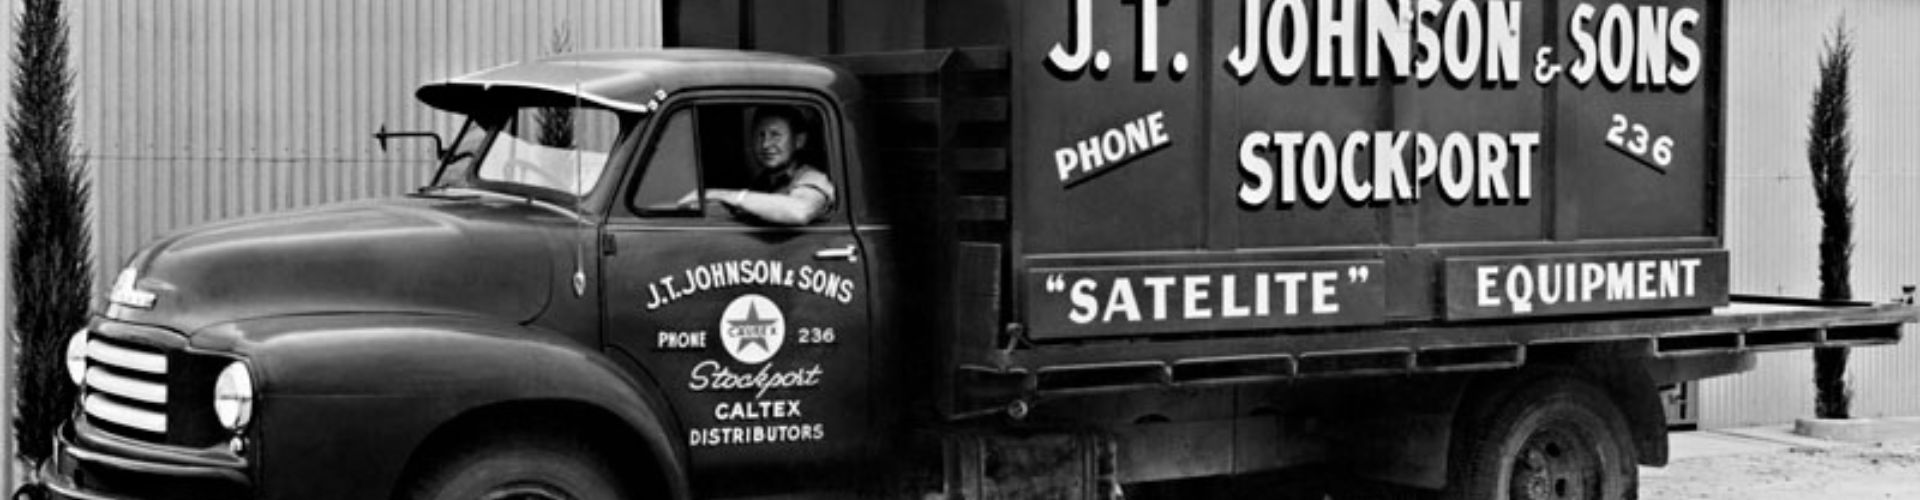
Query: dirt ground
[[1851, 472]]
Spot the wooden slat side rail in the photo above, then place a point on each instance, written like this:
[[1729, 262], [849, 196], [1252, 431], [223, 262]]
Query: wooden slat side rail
[[968, 160], [929, 109], [981, 208]]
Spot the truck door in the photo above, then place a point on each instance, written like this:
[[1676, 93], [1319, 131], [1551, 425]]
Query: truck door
[[757, 333]]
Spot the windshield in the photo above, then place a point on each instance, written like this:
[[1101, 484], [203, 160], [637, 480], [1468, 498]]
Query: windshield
[[547, 148]]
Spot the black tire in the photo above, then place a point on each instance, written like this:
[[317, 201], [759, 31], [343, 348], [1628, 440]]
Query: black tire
[[1553, 438], [521, 466]]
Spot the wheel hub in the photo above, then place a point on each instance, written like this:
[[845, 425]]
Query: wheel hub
[[1552, 465]]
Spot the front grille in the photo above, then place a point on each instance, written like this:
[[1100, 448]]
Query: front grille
[[143, 383], [126, 387]]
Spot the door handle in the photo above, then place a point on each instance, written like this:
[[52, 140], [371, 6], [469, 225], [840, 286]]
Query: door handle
[[849, 253]]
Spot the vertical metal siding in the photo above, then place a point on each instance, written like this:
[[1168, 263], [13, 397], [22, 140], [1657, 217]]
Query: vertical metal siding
[[191, 111], [1773, 228], [200, 110], [1887, 380]]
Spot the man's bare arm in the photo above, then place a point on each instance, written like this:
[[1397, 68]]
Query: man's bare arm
[[795, 208]]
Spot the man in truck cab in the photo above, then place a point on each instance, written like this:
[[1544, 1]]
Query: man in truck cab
[[782, 189]]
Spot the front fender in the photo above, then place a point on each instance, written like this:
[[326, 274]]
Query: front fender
[[346, 399]]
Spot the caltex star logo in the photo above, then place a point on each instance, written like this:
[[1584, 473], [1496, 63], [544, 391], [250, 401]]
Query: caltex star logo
[[752, 329]]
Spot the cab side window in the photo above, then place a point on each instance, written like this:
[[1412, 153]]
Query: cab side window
[[672, 171], [713, 161]]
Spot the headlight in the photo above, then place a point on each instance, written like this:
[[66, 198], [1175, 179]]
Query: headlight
[[233, 396], [77, 357]]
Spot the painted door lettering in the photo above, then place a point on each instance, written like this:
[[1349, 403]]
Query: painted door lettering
[[816, 335], [681, 340]]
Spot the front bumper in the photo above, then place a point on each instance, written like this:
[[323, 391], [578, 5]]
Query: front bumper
[[90, 465]]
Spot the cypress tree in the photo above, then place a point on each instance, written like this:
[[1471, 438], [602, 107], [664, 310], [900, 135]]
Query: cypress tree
[[1830, 157], [50, 272]]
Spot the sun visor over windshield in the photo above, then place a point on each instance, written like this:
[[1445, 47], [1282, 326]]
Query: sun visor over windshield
[[466, 97]]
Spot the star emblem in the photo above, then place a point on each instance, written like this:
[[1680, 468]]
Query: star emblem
[[753, 330], [754, 321]]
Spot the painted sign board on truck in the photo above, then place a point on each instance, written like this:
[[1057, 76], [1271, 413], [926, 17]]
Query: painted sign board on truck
[[1422, 137]]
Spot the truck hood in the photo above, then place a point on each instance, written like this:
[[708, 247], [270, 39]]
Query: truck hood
[[472, 256]]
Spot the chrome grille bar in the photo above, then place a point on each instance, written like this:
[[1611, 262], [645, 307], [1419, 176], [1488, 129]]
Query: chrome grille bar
[[121, 357], [138, 390], [125, 385], [102, 408]]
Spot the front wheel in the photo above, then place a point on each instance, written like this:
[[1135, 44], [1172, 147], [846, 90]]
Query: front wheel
[[1556, 438], [521, 466]]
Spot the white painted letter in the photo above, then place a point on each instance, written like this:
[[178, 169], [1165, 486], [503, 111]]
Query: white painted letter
[[1616, 44], [1583, 66], [1358, 189], [1493, 167], [1084, 305], [1334, 27], [1285, 62], [1463, 22], [1484, 283], [1073, 62], [1245, 59], [1260, 189], [1503, 41], [1390, 26], [1685, 48], [1065, 161]]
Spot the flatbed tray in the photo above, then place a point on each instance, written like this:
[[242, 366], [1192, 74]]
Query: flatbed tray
[[1747, 324]]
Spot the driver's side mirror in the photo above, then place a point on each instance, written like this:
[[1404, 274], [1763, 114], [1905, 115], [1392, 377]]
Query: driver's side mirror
[[439, 145]]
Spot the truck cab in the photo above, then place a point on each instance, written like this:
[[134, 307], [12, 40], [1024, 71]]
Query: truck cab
[[555, 278]]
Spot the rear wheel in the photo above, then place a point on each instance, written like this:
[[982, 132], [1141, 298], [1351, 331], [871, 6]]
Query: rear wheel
[[1555, 438], [521, 466]]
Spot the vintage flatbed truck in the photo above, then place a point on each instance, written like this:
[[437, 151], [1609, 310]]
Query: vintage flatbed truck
[[1458, 246]]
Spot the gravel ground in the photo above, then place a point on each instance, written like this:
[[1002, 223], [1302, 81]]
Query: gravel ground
[[1851, 472]]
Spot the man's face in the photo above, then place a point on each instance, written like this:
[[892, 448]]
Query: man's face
[[774, 142]]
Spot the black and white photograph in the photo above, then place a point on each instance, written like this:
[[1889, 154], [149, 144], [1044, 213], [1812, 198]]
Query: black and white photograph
[[960, 249]]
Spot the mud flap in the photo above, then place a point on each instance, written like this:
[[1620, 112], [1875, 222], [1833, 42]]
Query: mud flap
[[1075, 465]]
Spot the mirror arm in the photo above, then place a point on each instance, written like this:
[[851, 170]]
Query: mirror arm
[[439, 145]]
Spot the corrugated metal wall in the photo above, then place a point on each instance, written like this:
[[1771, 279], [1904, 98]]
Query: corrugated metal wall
[[1773, 228], [190, 111], [198, 110]]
